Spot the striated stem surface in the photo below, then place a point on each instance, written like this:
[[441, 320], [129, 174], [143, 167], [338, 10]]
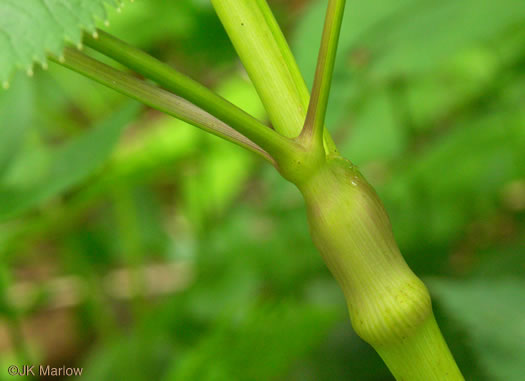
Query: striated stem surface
[[389, 305]]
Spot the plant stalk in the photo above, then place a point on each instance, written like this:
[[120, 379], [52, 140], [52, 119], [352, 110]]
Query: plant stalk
[[157, 98], [389, 305], [313, 128], [270, 64], [189, 89]]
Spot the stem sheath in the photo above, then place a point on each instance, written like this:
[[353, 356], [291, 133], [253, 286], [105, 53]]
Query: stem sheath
[[389, 305]]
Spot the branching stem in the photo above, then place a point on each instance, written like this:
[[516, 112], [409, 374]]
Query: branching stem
[[312, 132], [155, 97], [170, 79], [389, 306], [265, 54]]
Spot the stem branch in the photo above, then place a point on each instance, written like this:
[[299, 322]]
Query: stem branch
[[155, 97], [265, 54], [315, 118], [185, 87]]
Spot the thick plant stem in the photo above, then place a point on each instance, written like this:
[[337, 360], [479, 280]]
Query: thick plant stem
[[430, 357], [269, 62], [267, 66], [389, 306]]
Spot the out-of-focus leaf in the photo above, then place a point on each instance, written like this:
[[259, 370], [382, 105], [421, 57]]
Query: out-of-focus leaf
[[261, 346], [502, 261], [34, 179], [375, 133], [5, 281], [181, 22], [224, 169], [16, 111], [93, 101], [441, 28], [456, 179], [385, 40], [493, 314], [391, 35], [470, 75], [139, 356]]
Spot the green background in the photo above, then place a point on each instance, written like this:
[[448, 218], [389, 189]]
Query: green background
[[140, 248]]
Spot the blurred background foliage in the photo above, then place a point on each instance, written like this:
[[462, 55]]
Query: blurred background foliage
[[140, 248]]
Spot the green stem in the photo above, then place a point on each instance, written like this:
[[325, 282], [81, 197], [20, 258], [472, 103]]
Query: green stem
[[159, 99], [265, 54], [185, 87], [315, 117], [389, 306]]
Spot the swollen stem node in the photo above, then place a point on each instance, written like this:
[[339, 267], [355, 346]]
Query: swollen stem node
[[389, 305]]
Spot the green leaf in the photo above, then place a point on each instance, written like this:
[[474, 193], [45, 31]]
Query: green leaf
[[493, 314], [31, 29], [35, 178]]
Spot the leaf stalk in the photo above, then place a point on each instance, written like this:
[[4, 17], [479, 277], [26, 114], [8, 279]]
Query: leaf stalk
[[155, 97], [170, 79], [312, 132]]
